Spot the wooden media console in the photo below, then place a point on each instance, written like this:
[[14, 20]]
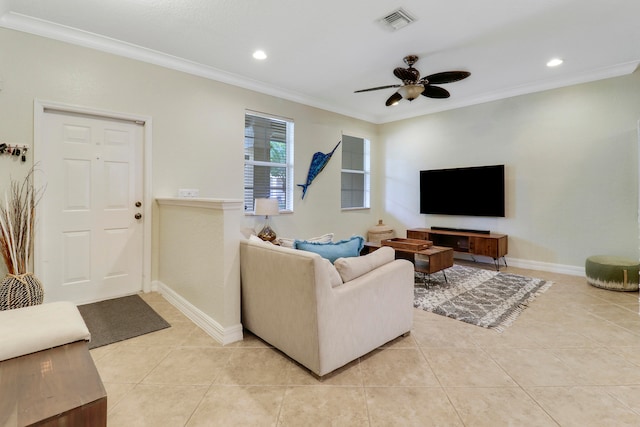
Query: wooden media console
[[474, 243]]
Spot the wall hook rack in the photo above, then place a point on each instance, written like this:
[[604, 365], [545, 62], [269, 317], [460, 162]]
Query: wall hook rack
[[18, 150]]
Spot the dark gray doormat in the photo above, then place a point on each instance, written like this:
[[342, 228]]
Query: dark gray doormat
[[119, 319]]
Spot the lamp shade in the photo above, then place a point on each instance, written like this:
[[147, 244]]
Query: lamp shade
[[267, 207]]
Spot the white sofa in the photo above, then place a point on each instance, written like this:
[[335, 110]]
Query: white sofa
[[297, 302]]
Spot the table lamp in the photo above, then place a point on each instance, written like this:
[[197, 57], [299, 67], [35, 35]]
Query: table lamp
[[266, 207]]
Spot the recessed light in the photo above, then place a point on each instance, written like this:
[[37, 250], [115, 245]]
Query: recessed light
[[259, 54], [554, 62]]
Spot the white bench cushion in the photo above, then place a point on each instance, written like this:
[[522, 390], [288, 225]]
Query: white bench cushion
[[40, 327]]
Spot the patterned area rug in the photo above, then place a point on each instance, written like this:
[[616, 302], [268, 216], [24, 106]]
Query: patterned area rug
[[485, 298]]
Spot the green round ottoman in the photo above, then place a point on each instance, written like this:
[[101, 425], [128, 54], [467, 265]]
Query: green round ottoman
[[612, 272]]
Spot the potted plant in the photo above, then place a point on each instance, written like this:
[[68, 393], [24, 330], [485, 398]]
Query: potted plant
[[19, 288]]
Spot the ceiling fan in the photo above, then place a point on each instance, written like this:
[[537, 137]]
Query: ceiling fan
[[413, 86]]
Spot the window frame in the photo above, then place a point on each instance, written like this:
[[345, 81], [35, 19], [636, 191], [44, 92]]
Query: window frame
[[366, 171], [287, 165]]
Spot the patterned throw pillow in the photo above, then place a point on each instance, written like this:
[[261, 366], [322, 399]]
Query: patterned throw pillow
[[333, 250], [288, 243]]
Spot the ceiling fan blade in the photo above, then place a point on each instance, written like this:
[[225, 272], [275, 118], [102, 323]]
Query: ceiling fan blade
[[404, 74], [393, 99], [447, 77], [376, 88], [435, 92]]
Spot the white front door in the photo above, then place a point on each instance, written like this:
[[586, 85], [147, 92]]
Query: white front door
[[91, 210]]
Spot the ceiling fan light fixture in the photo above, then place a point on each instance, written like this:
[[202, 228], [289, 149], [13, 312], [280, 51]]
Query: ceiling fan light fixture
[[411, 91]]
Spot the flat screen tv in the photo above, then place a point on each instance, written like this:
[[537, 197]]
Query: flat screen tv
[[470, 191]]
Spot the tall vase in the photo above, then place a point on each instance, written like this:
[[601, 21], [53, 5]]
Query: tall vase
[[20, 290]]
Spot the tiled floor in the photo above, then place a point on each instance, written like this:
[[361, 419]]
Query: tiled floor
[[571, 359]]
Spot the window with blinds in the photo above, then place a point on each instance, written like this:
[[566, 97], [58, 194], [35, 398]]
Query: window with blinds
[[268, 160], [355, 183]]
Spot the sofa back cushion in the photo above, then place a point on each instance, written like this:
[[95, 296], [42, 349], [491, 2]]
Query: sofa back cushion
[[351, 268], [333, 250]]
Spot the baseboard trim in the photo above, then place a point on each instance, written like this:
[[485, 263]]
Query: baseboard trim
[[571, 270], [205, 322], [546, 266]]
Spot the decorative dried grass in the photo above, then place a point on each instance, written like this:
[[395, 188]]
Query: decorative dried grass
[[17, 220]]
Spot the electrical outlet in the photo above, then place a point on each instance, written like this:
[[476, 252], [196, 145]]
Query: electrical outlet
[[188, 192]]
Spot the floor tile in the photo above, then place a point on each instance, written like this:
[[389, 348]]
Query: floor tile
[[397, 367], [571, 358], [348, 375], [156, 405], [130, 364], [239, 406], [504, 406], [536, 367], [584, 406], [255, 366], [189, 366], [410, 406], [324, 406], [466, 368]]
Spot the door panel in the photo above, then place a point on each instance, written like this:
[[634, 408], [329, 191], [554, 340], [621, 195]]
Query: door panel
[[92, 244]]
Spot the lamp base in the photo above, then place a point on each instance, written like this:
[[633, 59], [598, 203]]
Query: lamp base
[[267, 234]]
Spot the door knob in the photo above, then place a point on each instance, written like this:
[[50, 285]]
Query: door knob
[[138, 215], [138, 204]]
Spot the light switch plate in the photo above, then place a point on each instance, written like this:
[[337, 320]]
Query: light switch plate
[[188, 192]]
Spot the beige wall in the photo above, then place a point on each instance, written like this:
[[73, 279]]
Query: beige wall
[[571, 154], [571, 159], [197, 127]]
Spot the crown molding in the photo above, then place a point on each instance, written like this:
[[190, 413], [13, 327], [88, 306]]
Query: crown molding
[[617, 70], [19, 22], [47, 29]]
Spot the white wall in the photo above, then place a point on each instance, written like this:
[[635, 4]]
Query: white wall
[[571, 159], [197, 127]]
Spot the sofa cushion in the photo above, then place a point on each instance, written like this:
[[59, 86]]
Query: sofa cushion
[[288, 243], [334, 276], [351, 268], [333, 250]]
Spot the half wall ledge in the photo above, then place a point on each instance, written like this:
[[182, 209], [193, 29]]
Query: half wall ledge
[[199, 260]]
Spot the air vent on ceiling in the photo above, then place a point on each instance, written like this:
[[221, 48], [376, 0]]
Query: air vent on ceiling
[[397, 19]]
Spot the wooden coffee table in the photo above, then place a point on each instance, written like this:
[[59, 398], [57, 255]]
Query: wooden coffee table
[[425, 261]]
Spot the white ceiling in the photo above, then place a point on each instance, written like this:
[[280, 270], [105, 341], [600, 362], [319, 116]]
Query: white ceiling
[[320, 52]]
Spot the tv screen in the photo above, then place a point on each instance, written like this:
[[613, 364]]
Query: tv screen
[[470, 191]]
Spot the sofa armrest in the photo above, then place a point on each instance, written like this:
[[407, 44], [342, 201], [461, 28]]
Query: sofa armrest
[[365, 313]]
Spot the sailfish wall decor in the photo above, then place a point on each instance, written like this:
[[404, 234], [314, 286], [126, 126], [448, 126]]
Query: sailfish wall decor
[[318, 162]]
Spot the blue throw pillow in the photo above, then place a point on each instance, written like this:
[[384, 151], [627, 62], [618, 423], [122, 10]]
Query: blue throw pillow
[[333, 250]]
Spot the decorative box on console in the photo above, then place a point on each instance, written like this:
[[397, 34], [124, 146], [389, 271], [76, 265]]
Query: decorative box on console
[[380, 232], [407, 244]]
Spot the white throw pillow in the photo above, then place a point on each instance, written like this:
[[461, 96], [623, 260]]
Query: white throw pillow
[[353, 267], [334, 276], [288, 243], [256, 239]]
